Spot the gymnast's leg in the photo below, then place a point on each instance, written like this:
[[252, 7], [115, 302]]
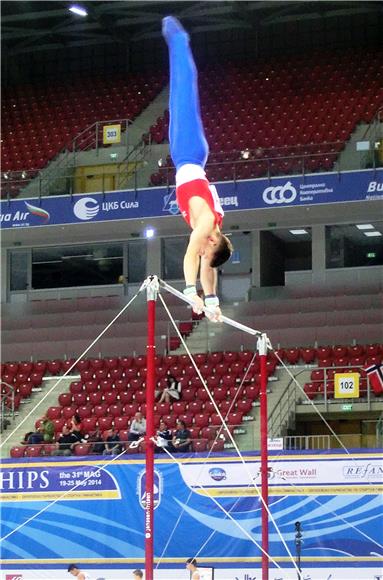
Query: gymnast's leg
[[186, 135]]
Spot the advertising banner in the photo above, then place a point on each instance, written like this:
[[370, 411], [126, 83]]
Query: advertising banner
[[156, 202], [91, 512]]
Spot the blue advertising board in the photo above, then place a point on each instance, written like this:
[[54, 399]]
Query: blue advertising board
[[91, 511], [313, 189]]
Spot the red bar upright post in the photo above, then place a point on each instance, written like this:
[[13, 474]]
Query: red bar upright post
[[262, 351], [152, 291]]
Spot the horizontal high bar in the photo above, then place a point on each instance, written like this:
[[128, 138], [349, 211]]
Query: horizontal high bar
[[223, 318]]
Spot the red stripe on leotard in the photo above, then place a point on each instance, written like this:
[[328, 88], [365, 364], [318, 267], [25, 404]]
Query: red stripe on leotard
[[196, 188]]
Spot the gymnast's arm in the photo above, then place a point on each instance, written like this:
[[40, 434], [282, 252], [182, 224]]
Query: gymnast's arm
[[197, 242], [208, 277]]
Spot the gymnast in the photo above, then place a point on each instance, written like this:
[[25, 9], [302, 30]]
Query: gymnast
[[197, 200]]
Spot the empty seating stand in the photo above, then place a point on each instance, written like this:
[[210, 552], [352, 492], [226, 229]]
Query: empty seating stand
[[41, 120], [260, 109]]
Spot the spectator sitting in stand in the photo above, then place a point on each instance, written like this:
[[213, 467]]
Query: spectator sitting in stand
[[48, 429], [25, 440], [171, 391], [164, 437], [66, 442], [76, 428], [98, 444], [112, 443], [137, 427], [181, 439], [37, 437]]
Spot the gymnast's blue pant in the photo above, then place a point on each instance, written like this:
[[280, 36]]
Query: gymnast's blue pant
[[186, 135]]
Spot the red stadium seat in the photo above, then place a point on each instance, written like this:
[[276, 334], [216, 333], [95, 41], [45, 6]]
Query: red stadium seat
[[195, 407], [105, 384], [95, 398], [187, 418], [80, 398], [339, 351], [82, 449], [25, 368], [130, 409], [317, 375], [65, 399], [115, 410], [125, 397], [292, 355], [121, 422], [308, 355], [216, 445], [121, 385], [25, 390], [170, 421], [82, 365], [17, 451], [105, 423], [110, 397], [33, 451], [201, 420], [209, 407], [54, 412], [234, 418], [100, 410], [208, 433], [244, 406], [200, 358], [311, 390], [219, 394], [88, 424], [36, 379], [189, 394], [215, 419], [84, 411], [68, 412], [91, 386], [225, 407], [202, 394], [199, 445], [76, 387]]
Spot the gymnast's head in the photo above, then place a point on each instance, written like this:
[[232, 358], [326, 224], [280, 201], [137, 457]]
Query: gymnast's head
[[222, 250]]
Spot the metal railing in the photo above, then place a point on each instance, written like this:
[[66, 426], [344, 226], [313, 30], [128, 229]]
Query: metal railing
[[172, 335], [58, 178], [283, 414], [379, 432], [304, 442], [327, 394], [7, 404]]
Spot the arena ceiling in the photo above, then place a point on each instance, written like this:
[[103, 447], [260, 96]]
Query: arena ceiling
[[35, 26]]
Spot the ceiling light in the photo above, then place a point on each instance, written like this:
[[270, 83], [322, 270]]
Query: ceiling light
[[365, 227], [372, 234], [78, 10], [298, 232], [149, 233]]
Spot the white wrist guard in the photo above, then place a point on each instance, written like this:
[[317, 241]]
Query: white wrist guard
[[211, 301], [190, 291]]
